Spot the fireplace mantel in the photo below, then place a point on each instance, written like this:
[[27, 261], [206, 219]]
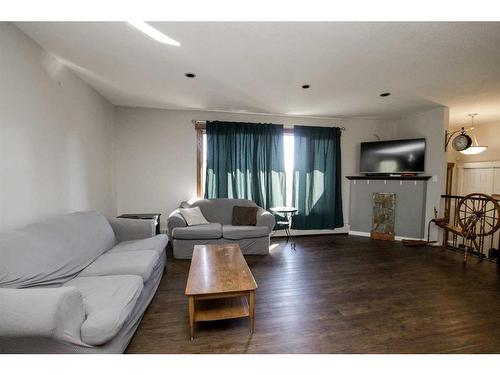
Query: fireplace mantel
[[400, 178]]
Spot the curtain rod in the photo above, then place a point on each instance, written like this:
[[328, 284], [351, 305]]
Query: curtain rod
[[202, 123]]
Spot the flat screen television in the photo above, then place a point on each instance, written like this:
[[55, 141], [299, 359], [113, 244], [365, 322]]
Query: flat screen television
[[393, 157]]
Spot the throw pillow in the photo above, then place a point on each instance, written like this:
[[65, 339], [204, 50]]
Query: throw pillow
[[244, 215], [193, 216]]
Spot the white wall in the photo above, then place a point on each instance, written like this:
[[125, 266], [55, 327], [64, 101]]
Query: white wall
[[430, 124], [56, 137], [156, 153]]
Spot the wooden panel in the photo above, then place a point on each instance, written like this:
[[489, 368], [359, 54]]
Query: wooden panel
[[218, 269], [200, 125], [450, 167], [199, 162], [220, 309], [449, 178]]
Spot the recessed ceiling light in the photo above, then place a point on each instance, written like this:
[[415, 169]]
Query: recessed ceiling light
[[153, 33], [385, 94], [306, 86], [190, 75]]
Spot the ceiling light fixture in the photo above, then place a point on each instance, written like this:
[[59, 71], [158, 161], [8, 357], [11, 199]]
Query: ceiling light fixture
[[153, 33], [475, 148]]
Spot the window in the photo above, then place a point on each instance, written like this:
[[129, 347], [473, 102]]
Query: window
[[288, 145], [288, 148]]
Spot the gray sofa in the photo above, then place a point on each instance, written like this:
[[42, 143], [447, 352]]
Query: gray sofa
[[253, 240], [78, 283]]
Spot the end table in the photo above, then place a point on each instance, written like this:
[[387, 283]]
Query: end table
[[155, 217], [286, 214]]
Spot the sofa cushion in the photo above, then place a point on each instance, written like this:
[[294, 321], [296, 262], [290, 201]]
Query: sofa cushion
[[140, 263], [53, 251], [156, 243], [244, 215], [198, 232], [108, 302], [238, 232], [193, 216]]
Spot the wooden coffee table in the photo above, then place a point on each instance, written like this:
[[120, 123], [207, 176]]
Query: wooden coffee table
[[219, 284]]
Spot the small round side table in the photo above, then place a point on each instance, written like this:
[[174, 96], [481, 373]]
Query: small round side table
[[285, 214]]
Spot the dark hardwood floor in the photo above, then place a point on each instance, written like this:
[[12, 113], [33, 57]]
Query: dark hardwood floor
[[341, 294]]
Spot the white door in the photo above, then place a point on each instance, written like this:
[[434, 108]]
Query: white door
[[479, 180], [496, 180]]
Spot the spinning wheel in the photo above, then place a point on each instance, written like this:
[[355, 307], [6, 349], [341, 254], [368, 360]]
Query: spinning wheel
[[477, 215]]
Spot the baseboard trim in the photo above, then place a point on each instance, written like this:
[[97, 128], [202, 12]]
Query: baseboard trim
[[313, 232], [397, 238]]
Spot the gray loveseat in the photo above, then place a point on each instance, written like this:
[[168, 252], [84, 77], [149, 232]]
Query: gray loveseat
[[253, 240], [78, 283]]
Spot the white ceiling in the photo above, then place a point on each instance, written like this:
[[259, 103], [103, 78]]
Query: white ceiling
[[259, 67]]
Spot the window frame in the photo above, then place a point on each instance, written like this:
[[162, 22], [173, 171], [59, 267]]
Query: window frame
[[201, 130]]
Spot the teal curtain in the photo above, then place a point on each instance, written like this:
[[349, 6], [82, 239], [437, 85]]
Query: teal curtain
[[245, 160], [317, 180]]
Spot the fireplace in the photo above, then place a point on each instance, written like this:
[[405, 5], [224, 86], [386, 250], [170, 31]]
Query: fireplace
[[409, 204]]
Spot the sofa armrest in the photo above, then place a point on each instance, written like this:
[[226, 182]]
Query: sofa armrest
[[55, 313], [132, 229], [265, 218], [175, 220]]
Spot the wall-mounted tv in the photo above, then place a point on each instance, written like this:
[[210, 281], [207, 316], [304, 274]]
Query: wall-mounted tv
[[393, 157]]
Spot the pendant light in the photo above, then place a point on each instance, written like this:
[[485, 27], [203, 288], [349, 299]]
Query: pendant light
[[475, 148]]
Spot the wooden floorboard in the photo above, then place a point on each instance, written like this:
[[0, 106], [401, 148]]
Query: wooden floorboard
[[340, 294]]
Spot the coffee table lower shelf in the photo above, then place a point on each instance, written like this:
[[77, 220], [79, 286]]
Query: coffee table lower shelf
[[220, 308], [209, 308]]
